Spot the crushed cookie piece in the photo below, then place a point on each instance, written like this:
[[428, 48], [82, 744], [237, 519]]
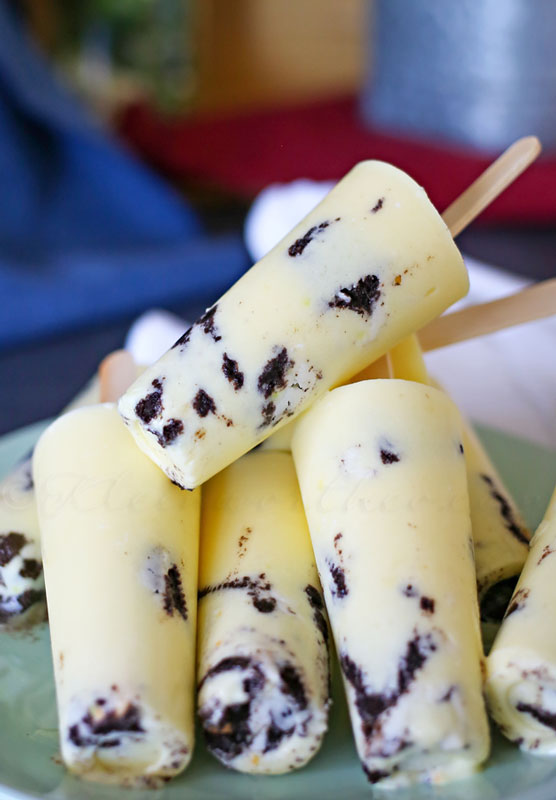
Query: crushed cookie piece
[[427, 604], [389, 457], [378, 205], [258, 590], [31, 568], [204, 404], [231, 370], [10, 545], [340, 588], [361, 297], [370, 704], [150, 406], [174, 597], [184, 338], [518, 601], [170, 432], [546, 718], [297, 248], [317, 604], [206, 322], [506, 511], [268, 412], [273, 374]]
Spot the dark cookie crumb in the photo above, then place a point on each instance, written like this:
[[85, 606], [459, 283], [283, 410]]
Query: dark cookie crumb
[[292, 685], [170, 432], [110, 722], [518, 601], [546, 551], [31, 568], [337, 539], [314, 596], [506, 511], [151, 405], [339, 577], [317, 604], [242, 542], [268, 412], [24, 600], [389, 456], [361, 297], [410, 591], [378, 205], [461, 449], [371, 705], [257, 589], [184, 338], [546, 718], [275, 736], [174, 597], [230, 734], [447, 696], [10, 545], [273, 375], [375, 775], [226, 665], [206, 322], [231, 370], [297, 248], [321, 624], [204, 404], [427, 605], [264, 604]]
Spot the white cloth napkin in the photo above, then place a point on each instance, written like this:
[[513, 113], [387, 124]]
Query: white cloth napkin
[[506, 380]]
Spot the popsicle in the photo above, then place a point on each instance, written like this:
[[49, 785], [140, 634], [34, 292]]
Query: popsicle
[[21, 578], [383, 482], [262, 644], [369, 265], [521, 667], [120, 546], [500, 535]]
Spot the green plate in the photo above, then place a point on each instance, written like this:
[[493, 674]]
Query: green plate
[[30, 767]]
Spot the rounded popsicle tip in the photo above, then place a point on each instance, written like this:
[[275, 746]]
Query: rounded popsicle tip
[[521, 697], [257, 714]]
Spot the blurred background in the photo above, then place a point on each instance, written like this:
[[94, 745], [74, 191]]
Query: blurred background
[[136, 134]]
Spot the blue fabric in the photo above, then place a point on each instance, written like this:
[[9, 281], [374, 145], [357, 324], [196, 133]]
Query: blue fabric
[[86, 232]]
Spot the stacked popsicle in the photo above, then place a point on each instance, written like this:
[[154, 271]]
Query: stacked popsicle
[[384, 485]]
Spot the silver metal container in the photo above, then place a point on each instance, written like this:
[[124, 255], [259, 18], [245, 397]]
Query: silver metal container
[[479, 72]]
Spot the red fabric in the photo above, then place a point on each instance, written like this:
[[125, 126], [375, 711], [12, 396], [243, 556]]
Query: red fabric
[[242, 153]]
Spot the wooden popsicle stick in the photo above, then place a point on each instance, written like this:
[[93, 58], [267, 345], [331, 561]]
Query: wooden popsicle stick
[[493, 181], [534, 302], [116, 373]]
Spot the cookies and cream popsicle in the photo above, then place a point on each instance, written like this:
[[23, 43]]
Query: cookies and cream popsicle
[[263, 673], [500, 536], [120, 547], [383, 482], [21, 578], [521, 667], [371, 263]]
